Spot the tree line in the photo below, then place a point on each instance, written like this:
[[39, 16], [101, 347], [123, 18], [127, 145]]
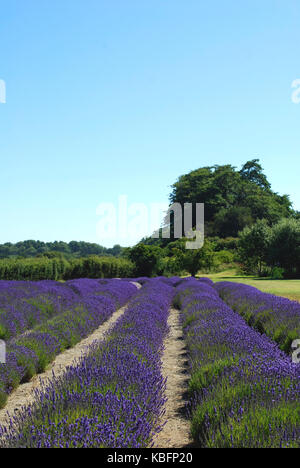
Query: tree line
[[59, 268], [73, 249]]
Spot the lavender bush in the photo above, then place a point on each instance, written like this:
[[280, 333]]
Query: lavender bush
[[277, 317]]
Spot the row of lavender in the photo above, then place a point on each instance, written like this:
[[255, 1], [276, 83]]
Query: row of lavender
[[114, 397], [277, 317], [41, 320], [244, 391], [25, 305]]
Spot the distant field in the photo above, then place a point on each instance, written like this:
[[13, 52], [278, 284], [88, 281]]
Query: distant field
[[285, 288]]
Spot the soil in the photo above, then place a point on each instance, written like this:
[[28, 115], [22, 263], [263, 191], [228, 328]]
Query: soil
[[176, 431]]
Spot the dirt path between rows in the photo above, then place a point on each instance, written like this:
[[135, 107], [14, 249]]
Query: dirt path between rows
[[176, 432], [24, 394]]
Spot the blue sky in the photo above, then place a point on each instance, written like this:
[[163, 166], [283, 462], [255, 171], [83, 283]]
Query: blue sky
[[113, 97]]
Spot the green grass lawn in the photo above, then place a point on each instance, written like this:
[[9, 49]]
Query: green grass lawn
[[285, 288]]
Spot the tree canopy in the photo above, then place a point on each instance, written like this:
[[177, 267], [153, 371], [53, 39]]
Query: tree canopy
[[233, 198]]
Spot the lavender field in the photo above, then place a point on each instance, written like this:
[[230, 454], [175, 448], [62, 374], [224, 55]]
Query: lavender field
[[243, 387], [244, 391], [275, 316], [40, 320]]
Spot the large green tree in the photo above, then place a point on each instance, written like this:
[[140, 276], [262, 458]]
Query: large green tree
[[254, 244], [200, 259], [145, 258], [233, 199]]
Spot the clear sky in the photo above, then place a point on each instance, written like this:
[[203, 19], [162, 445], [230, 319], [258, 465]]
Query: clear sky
[[120, 97]]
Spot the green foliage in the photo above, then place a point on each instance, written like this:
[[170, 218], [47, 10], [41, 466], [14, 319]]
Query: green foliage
[[229, 221], [204, 376], [28, 364], [223, 256], [252, 172], [228, 243], [174, 259], [3, 398], [233, 199], [33, 269], [202, 259], [179, 260], [41, 350], [100, 267], [277, 273], [145, 258], [254, 244], [243, 216], [276, 247], [3, 332], [257, 428], [284, 248], [291, 336], [236, 202], [58, 268]]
